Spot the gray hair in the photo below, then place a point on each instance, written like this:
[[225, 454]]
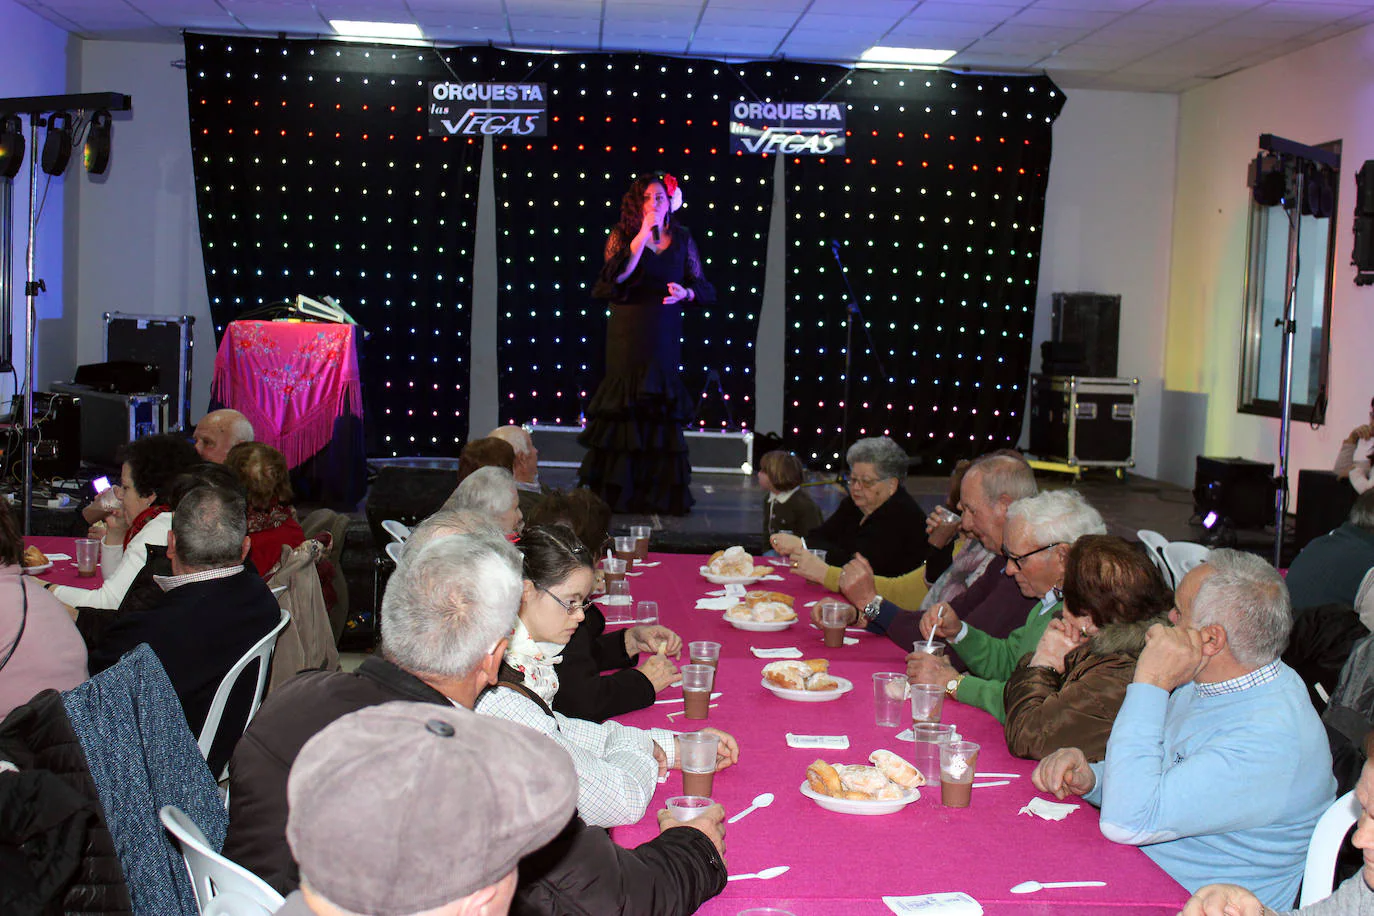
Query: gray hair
[[886, 456], [1059, 516], [1247, 598], [516, 436], [210, 524], [488, 491], [442, 524], [1001, 474], [446, 607], [1362, 513]]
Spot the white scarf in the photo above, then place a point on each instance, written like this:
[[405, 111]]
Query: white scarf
[[535, 660]]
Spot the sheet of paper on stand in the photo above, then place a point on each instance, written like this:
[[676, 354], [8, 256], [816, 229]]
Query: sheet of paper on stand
[[1050, 811]]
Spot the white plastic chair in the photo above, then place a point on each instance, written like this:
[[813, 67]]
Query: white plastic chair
[[393, 550], [221, 887], [1154, 546], [1183, 556], [263, 651], [397, 531], [1327, 838], [277, 592]]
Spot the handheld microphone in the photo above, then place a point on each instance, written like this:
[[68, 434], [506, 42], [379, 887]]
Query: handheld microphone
[[656, 238]]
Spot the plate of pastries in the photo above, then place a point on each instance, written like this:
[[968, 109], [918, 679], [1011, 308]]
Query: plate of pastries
[[885, 786], [804, 680], [35, 561], [762, 612], [733, 566]]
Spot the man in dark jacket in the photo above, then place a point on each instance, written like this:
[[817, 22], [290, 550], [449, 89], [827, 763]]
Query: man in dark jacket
[[1330, 568], [445, 618], [212, 611]]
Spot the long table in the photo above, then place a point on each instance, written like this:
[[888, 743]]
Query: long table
[[63, 572], [844, 864]]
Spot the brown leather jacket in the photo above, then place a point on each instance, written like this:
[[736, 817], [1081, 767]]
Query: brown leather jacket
[[1047, 710]]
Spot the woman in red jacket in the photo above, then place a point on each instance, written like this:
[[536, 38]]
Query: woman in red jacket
[[272, 521]]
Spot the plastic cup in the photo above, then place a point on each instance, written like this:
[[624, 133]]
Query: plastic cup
[[704, 653], [926, 751], [935, 647], [615, 569], [834, 618], [696, 694], [646, 612], [889, 695], [698, 753], [87, 556], [927, 702], [618, 602], [819, 555], [686, 807], [625, 550], [641, 535], [947, 514], [958, 760]]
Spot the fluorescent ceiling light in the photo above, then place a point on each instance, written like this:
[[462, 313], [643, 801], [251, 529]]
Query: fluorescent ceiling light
[[358, 29], [879, 54]]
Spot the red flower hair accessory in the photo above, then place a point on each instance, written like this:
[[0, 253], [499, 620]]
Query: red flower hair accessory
[[674, 192]]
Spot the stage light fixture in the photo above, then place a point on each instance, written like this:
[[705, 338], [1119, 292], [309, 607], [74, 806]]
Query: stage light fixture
[[11, 145], [97, 152], [57, 145]]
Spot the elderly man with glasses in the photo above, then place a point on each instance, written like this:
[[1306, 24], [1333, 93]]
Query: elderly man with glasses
[[1035, 545]]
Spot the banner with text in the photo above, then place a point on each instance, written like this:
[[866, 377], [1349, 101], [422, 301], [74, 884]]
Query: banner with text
[[791, 128], [477, 109]]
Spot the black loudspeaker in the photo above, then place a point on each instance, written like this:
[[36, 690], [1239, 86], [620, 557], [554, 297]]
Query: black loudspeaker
[[118, 377], [407, 495], [1364, 189], [1093, 320], [1240, 491], [1324, 502]]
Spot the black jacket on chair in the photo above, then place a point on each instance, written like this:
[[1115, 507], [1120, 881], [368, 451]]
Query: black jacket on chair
[[198, 632]]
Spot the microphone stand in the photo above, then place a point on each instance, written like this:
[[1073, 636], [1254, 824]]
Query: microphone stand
[[852, 311]]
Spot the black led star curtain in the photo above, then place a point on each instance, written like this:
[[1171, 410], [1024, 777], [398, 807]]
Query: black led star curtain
[[614, 117], [314, 175], [938, 207]]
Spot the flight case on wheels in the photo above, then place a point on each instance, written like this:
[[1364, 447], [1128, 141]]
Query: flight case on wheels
[[1083, 422]]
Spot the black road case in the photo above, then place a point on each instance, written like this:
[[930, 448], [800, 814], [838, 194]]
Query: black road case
[[1084, 422]]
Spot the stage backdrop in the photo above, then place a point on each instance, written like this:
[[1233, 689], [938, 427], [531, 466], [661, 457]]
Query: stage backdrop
[[315, 175]]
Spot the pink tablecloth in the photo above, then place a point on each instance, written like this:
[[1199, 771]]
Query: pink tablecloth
[[63, 572], [842, 864]]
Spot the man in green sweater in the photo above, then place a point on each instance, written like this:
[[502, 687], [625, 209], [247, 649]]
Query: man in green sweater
[[1035, 545]]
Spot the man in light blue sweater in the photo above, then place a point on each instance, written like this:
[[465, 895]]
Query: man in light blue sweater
[[1218, 766]]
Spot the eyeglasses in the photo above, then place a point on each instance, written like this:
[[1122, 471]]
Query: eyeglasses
[[1020, 561], [572, 607], [866, 483]]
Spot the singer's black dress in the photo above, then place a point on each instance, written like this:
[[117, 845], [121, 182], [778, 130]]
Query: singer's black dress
[[636, 455]]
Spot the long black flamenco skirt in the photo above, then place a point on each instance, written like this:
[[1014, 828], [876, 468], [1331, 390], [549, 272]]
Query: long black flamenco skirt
[[636, 455]]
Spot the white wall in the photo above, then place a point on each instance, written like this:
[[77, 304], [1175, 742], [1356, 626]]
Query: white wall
[[1108, 219], [133, 240], [1311, 96], [33, 61]]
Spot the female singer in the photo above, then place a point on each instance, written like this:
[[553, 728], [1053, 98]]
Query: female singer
[[636, 456]]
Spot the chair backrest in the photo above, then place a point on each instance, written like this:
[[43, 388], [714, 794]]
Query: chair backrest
[[397, 531], [1364, 600], [393, 550], [1183, 556], [1327, 838], [262, 651], [279, 591], [1154, 546], [213, 877]]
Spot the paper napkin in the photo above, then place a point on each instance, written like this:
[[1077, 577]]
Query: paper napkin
[[788, 652], [716, 604], [1050, 811], [951, 904], [829, 742], [771, 579]]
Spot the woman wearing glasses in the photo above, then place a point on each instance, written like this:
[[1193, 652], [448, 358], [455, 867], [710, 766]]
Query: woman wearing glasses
[[878, 519], [617, 766]]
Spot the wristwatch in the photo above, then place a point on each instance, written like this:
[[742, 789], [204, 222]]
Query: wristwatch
[[870, 610], [952, 686]]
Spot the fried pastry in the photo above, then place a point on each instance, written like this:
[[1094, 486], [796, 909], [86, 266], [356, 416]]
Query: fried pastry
[[896, 769], [823, 779], [34, 557]]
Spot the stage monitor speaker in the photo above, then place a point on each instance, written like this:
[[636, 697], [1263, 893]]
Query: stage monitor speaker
[[408, 495], [1238, 490], [1324, 502], [1093, 320]]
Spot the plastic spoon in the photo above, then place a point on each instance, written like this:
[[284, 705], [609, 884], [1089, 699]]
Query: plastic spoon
[[765, 874], [1030, 887], [939, 615], [760, 801]]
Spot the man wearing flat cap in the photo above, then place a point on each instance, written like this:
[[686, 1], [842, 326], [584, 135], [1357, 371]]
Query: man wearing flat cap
[[376, 826], [446, 615]]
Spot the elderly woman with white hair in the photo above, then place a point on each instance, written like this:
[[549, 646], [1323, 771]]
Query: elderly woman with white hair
[[878, 518], [1039, 533], [491, 493]]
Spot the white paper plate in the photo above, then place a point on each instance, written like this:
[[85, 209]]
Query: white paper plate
[[855, 806], [727, 580], [37, 570], [809, 696], [759, 626]]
